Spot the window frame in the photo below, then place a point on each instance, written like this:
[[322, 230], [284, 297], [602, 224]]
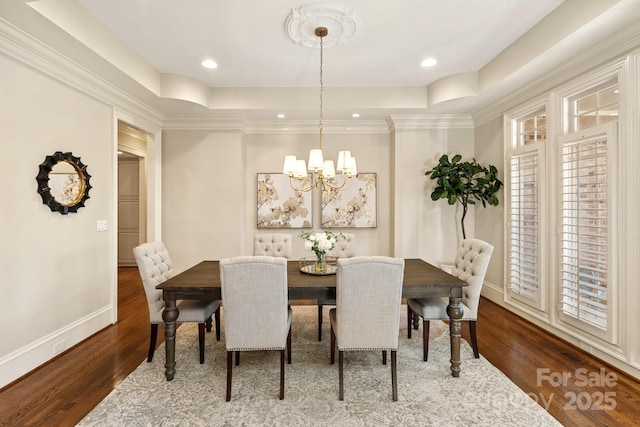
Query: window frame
[[572, 117], [608, 131], [516, 148]]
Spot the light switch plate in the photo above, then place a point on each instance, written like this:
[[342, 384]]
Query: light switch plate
[[101, 225]]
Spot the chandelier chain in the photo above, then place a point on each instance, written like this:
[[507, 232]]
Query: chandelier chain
[[321, 90], [323, 172]]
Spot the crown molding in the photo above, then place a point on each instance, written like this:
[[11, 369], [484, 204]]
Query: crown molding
[[613, 49], [242, 124], [235, 123], [430, 121], [312, 126], [24, 48]]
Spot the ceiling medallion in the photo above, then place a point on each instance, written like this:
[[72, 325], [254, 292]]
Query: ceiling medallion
[[301, 23]]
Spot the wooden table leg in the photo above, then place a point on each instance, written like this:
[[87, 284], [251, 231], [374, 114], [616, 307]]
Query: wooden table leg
[[169, 315], [455, 312]]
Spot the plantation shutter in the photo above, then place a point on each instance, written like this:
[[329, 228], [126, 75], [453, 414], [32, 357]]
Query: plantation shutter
[[585, 218], [524, 226]]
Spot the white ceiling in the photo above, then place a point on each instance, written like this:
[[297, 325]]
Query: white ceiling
[[249, 42], [153, 50]]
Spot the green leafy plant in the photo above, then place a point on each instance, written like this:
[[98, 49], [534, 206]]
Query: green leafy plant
[[464, 183]]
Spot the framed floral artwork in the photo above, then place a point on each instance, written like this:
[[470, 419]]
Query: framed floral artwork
[[353, 207], [279, 205]]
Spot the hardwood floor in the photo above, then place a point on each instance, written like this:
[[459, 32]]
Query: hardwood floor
[[64, 390], [536, 361]]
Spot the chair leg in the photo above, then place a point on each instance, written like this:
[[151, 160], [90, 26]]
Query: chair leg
[[394, 376], [217, 314], [425, 339], [333, 346], [229, 373], [474, 339], [341, 373], [152, 341], [201, 328], [289, 347], [208, 323], [409, 321], [281, 374], [320, 307], [237, 358], [384, 357]]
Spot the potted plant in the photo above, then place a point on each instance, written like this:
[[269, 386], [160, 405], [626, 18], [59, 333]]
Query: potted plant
[[464, 183]]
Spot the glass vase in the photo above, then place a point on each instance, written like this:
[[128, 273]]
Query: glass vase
[[321, 265]]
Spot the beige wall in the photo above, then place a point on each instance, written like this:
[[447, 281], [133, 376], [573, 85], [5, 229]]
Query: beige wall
[[209, 190], [55, 293], [424, 228], [203, 195], [489, 221]]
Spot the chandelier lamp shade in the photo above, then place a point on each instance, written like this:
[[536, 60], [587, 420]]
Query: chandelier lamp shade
[[323, 171]]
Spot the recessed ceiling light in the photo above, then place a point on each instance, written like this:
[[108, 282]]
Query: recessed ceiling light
[[281, 116], [355, 115], [209, 63], [429, 62]]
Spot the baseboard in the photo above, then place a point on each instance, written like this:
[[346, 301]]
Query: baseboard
[[493, 292], [29, 357]]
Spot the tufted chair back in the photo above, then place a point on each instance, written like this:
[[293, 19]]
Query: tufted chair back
[[345, 246], [471, 266], [272, 244], [154, 265]]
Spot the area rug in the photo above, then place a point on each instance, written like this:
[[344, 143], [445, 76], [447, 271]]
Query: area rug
[[427, 393]]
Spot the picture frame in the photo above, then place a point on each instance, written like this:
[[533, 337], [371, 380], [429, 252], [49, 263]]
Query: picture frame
[[353, 206], [279, 205]]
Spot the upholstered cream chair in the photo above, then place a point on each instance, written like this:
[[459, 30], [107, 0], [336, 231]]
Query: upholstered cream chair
[[345, 247], [256, 314], [367, 313], [155, 266], [272, 244], [470, 265]]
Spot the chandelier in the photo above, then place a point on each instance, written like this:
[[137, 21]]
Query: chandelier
[[323, 171]]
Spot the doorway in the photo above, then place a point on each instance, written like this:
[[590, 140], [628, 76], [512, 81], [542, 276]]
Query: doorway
[[132, 190]]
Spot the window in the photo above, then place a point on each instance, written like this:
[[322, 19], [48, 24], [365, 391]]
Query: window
[[561, 208], [525, 170], [532, 128], [593, 107], [523, 227], [585, 217]]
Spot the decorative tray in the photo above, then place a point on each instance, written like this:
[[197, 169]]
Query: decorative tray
[[308, 266], [311, 269]]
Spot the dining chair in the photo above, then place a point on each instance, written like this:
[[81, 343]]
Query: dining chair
[[272, 244], [155, 267], [345, 247], [470, 265], [367, 313], [256, 312]]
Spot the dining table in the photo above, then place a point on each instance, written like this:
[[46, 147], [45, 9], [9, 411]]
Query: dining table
[[202, 282]]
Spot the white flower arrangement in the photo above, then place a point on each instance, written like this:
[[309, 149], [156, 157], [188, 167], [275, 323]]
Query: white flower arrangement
[[319, 243]]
